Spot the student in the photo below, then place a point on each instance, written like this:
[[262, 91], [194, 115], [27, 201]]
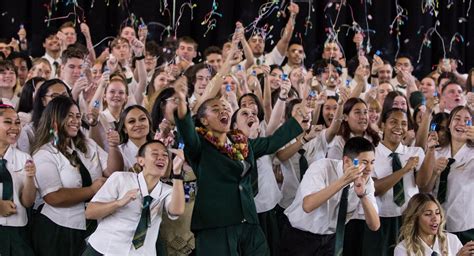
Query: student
[[454, 168], [331, 193], [399, 172], [8, 80], [134, 128], [422, 232], [17, 187], [70, 170], [224, 218], [120, 205]]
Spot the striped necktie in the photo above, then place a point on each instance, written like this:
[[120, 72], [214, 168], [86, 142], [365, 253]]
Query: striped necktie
[[443, 182], [6, 180], [145, 221], [341, 222], [398, 191]]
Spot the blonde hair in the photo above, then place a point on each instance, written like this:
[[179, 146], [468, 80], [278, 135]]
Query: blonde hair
[[409, 232]]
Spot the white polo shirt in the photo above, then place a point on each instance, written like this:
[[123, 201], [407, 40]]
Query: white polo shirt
[[54, 171], [383, 168], [454, 245], [315, 149], [459, 204], [26, 138], [114, 234], [16, 160], [323, 220]]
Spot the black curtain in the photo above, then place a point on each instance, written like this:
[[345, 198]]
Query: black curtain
[[106, 16]]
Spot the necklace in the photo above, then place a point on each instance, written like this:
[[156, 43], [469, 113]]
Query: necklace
[[237, 149]]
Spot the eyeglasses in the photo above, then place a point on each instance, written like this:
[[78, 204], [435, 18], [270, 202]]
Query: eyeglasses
[[54, 95]]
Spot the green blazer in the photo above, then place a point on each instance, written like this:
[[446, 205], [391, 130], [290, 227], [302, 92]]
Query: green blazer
[[225, 197]]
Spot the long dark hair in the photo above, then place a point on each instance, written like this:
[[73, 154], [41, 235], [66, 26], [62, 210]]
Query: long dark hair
[[388, 104], [38, 106], [157, 111], [260, 114], [345, 130], [321, 116], [121, 124], [26, 97]]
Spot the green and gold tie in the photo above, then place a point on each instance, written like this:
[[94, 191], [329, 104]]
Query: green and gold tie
[[398, 191], [6, 180], [145, 221]]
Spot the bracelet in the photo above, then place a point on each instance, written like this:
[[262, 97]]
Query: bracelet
[[305, 140], [139, 57], [177, 176], [363, 195], [282, 99]]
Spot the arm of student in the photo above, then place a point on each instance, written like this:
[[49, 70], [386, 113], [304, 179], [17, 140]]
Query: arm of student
[[283, 43], [279, 109], [28, 192], [315, 200], [288, 152], [384, 184], [423, 176], [371, 217]]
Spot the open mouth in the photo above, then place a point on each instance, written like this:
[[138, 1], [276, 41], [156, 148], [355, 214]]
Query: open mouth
[[434, 227], [160, 164], [224, 120]]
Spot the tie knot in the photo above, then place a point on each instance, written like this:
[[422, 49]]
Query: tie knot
[[146, 201], [301, 151], [451, 161], [394, 155], [3, 162]]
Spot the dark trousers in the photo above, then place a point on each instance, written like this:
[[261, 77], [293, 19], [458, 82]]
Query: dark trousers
[[383, 241], [297, 242], [353, 238], [269, 224], [14, 241], [465, 236], [237, 240]]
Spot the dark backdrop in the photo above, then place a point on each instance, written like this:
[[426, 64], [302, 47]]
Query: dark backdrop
[[106, 16]]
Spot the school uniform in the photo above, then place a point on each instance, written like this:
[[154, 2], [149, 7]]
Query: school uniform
[[225, 218], [129, 153], [454, 245], [13, 233], [384, 240], [459, 203], [61, 230], [272, 58], [314, 233], [114, 233], [315, 149], [26, 138]]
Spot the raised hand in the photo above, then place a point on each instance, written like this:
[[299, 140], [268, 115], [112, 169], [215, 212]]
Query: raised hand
[[128, 197]]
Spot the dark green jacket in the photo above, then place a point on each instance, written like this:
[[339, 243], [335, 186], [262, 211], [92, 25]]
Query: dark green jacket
[[224, 197]]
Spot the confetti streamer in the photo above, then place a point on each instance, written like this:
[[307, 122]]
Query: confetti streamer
[[397, 22], [430, 6], [427, 42], [181, 10], [209, 20], [101, 41], [457, 37]]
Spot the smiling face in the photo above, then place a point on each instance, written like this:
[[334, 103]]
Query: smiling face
[[428, 87], [329, 111], [295, 54], [400, 102], [217, 116], [9, 126], [136, 124], [458, 126], [73, 122], [430, 220], [70, 34], [203, 77], [128, 33], [382, 91], [395, 128], [7, 78], [275, 78], [155, 161], [116, 94], [358, 119]]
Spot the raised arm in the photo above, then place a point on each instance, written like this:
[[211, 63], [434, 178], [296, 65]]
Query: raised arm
[[283, 43], [139, 51]]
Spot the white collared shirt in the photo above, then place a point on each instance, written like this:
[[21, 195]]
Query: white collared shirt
[[383, 168], [51, 61], [269, 193], [454, 245], [315, 149], [27, 135], [54, 171], [16, 160], [459, 204], [114, 234], [323, 220], [272, 58], [129, 153]]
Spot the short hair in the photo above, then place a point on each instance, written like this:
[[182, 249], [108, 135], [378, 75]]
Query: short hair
[[356, 145], [72, 52], [7, 65], [188, 40], [445, 85], [374, 104], [212, 50], [21, 55], [406, 56], [152, 48], [118, 40], [68, 24], [320, 65]]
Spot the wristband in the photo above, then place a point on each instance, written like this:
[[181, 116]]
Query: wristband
[[363, 195], [282, 99], [140, 57], [177, 176]]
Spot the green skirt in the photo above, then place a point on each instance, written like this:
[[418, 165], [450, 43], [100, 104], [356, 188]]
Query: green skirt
[[383, 241], [14, 241], [269, 224], [50, 239]]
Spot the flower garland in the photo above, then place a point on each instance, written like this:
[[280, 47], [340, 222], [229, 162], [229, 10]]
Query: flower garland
[[237, 150]]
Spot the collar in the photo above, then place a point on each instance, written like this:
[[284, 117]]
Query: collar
[[155, 193], [401, 149], [436, 247]]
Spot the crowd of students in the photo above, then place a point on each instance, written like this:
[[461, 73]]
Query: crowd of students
[[140, 151]]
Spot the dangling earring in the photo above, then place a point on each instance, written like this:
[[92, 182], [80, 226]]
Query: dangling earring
[[54, 133]]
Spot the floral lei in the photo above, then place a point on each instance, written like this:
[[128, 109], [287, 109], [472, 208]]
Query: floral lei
[[238, 150]]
